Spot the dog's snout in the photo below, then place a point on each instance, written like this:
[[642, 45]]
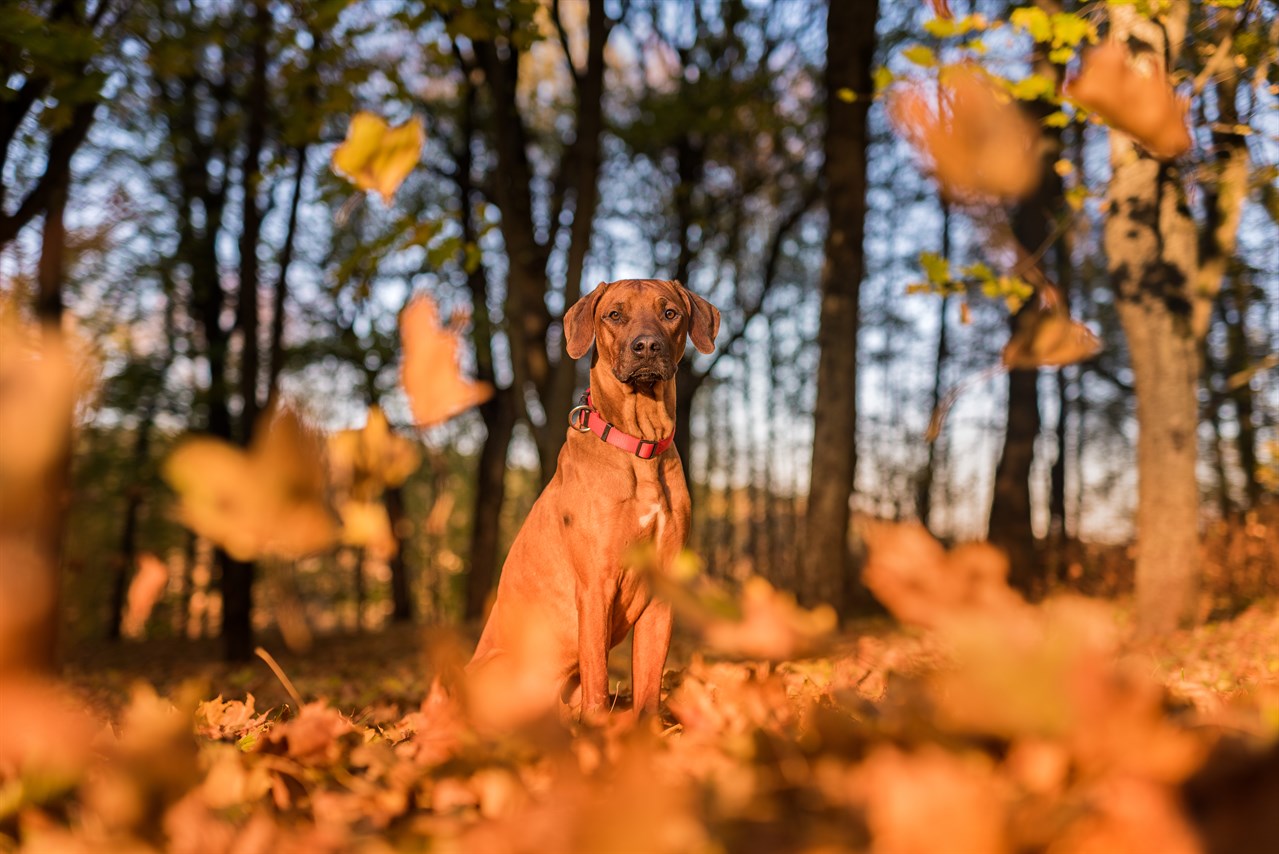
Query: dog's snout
[[646, 345]]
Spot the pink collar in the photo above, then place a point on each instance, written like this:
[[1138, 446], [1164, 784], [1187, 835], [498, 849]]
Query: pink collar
[[587, 419]]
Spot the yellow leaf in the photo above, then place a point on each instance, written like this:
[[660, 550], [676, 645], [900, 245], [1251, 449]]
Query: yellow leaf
[[377, 157], [1063, 167], [437, 390], [846, 95]]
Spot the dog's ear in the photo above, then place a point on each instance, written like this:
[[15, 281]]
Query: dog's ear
[[579, 323], [703, 323]]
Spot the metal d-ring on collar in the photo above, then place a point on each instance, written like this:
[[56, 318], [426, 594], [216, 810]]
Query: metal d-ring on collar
[[585, 418]]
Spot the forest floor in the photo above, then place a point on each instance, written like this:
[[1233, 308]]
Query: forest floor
[[980, 723]]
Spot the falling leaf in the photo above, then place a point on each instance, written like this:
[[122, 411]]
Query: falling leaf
[[269, 500], [1133, 96], [377, 157], [37, 394], [977, 142], [429, 372], [148, 584], [366, 524], [366, 461], [1048, 338]]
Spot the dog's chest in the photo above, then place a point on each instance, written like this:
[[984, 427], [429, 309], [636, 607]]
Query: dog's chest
[[652, 510]]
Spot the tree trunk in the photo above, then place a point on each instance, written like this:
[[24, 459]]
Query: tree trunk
[[1010, 526], [1150, 244], [850, 34], [401, 584], [499, 415], [129, 529], [924, 487]]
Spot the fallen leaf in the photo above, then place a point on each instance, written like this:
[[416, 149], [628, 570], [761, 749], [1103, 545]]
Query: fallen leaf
[[378, 157], [429, 372], [1132, 95]]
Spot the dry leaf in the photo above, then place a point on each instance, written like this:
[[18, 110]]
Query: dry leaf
[[37, 394], [148, 584], [1132, 95], [773, 627], [269, 500], [1047, 338], [377, 157], [978, 142], [366, 461], [430, 373]]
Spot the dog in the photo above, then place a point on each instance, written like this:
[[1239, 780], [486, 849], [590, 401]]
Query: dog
[[566, 594]]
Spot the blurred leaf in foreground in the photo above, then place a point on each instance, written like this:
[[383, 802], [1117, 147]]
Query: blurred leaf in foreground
[[978, 143], [378, 157], [1133, 96], [269, 500], [430, 372]]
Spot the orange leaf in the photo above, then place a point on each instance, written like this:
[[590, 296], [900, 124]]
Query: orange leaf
[[145, 590], [978, 142], [1134, 97], [437, 390]]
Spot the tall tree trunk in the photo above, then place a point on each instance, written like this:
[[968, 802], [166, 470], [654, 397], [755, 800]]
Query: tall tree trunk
[[499, 415], [1010, 525], [275, 346], [924, 487], [850, 36], [1150, 243], [129, 529], [401, 583], [237, 576]]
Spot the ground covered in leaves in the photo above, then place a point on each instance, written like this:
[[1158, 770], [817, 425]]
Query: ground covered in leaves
[[978, 723]]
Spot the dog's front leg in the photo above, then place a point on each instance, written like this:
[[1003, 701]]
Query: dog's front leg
[[594, 629], [648, 655]]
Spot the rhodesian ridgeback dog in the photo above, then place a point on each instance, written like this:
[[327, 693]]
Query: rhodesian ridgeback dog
[[567, 594]]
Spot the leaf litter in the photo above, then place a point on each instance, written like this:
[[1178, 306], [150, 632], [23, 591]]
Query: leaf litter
[[979, 722]]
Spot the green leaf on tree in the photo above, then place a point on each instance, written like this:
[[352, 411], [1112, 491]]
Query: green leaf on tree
[[1034, 21], [920, 55], [936, 268], [1032, 88]]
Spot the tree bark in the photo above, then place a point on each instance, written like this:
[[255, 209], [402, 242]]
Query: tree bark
[[1150, 243], [499, 415], [924, 487], [401, 583], [1011, 513], [850, 35]]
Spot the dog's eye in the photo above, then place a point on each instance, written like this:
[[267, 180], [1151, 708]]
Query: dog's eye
[[671, 314], [614, 315]]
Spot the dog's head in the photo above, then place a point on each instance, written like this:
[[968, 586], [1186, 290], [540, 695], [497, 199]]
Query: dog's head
[[640, 327]]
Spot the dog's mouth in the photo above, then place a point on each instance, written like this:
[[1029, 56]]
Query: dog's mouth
[[646, 374]]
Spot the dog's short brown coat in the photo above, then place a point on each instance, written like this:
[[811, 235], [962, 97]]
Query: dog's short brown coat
[[565, 597]]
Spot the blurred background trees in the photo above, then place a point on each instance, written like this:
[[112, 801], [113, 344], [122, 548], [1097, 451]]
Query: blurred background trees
[[166, 185]]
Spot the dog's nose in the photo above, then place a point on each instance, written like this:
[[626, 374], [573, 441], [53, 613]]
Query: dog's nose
[[647, 344]]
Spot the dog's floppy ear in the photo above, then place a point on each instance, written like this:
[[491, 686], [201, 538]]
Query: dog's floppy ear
[[579, 323], [703, 323]]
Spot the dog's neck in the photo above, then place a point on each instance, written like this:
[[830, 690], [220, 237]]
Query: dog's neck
[[646, 411]]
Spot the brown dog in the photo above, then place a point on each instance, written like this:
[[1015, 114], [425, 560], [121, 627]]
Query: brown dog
[[565, 598]]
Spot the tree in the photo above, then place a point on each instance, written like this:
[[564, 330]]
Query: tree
[[1164, 281], [850, 50]]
